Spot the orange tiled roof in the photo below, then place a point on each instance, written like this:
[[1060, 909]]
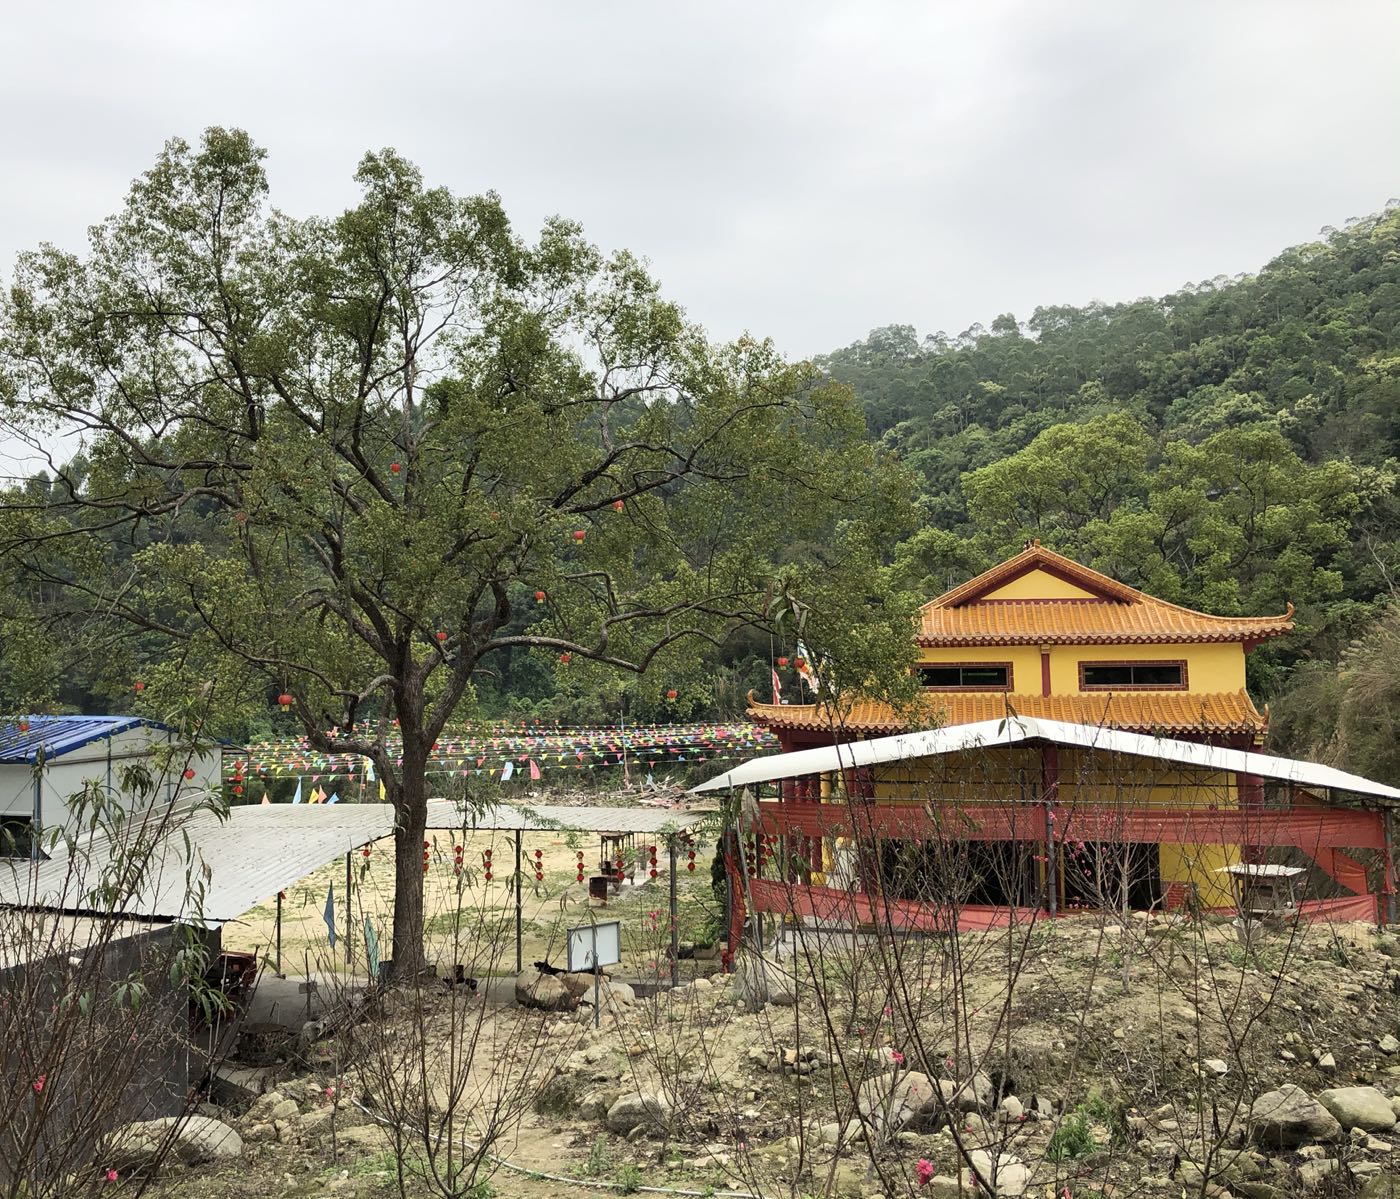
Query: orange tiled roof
[[1167, 712], [1117, 614]]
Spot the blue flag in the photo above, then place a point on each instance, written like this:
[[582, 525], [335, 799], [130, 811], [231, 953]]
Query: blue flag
[[330, 914], [297, 797], [372, 948], [334, 797]]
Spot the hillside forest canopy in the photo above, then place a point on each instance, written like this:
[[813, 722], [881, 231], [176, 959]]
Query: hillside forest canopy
[[1231, 446]]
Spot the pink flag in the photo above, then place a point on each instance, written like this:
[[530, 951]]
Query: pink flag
[[534, 771], [777, 689]]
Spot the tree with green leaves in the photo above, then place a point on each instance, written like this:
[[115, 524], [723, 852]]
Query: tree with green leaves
[[352, 463]]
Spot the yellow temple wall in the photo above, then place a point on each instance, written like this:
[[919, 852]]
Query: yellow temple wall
[[1210, 667], [1038, 584]]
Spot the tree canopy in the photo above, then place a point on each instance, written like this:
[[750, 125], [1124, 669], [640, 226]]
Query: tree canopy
[[356, 465]]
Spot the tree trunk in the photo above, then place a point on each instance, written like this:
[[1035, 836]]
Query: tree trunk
[[411, 812]]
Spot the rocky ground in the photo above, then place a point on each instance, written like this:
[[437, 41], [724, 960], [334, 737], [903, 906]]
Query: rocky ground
[[1119, 1060]]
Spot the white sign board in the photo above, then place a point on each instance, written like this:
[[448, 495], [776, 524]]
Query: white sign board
[[595, 945]]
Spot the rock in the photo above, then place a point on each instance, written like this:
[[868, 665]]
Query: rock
[[284, 1110], [1007, 1175], [1290, 1116], [544, 991], [191, 1139], [637, 1110], [1359, 1107], [1388, 1044], [760, 981], [1011, 1110], [1382, 1186], [611, 995], [895, 1102], [1327, 1062], [577, 984], [1215, 1066], [594, 1104], [1313, 1172], [976, 1093]]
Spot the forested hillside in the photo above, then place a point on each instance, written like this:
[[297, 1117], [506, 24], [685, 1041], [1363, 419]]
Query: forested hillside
[[1230, 446]]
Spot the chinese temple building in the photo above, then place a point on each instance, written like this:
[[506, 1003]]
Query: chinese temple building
[[1077, 822]]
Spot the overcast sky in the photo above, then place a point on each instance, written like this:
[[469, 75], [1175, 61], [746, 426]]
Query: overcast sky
[[803, 170]]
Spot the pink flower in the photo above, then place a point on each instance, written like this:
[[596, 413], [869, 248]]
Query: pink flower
[[39, 1082], [330, 1094], [896, 1057], [948, 1063], [111, 1176], [923, 1171]]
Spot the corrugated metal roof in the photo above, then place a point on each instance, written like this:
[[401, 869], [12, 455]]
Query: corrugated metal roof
[[261, 849], [1019, 730], [21, 737], [244, 859]]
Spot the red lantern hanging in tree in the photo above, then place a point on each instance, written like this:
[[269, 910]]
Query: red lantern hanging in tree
[[441, 635], [671, 694], [138, 686], [395, 468], [782, 660], [285, 701], [580, 534], [189, 774], [566, 658], [539, 597], [24, 726], [618, 505]]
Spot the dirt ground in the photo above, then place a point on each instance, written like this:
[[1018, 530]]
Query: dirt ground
[[1134, 1049], [467, 905]]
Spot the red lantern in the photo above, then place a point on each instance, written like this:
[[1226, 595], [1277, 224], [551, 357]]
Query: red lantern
[[618, 505], [690, 866], [395, 468], [782, 660], [566, 658], [237, 790], [441, 636], [285, 700], [138, 685], [672, 693], [539, 597], [653, 874], [189, 774], [364, 853], [580, 534], [800, 663], [24, 726]]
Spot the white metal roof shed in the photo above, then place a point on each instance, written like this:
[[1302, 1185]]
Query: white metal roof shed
[[1023, 730], [259, 850]]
